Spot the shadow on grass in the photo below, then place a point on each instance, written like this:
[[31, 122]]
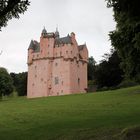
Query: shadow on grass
[[131, 133]]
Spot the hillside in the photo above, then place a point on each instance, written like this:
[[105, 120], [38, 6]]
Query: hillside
[[106, 115]]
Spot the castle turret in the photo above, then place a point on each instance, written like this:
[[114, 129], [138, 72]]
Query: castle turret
[[56, 33], [44, 32]]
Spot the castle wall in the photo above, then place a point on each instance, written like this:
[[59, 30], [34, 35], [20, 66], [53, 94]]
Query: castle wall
[[38, 74]]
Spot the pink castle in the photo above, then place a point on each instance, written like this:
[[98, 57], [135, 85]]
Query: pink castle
[[56, 66]]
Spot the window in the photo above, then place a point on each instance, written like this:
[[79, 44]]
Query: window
[[66, 52], [78, 81], [56, 64], [71, 52], [56, 80]]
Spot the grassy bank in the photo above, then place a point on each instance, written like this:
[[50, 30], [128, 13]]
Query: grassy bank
[[93, 116]]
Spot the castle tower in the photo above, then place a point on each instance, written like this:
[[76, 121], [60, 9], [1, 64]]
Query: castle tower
[[56, 66]]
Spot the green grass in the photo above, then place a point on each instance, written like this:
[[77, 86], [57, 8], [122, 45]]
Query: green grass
[[93, 116]]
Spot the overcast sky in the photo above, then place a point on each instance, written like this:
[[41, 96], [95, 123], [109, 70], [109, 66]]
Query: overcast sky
[[90, 20]]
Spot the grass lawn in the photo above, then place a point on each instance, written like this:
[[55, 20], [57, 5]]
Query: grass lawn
[[94, 116]]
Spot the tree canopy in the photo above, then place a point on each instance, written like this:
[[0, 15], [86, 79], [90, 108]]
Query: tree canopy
[[126, 37], [6, 83], [20, 83], [91, 68], [108, 72], [11, 9]]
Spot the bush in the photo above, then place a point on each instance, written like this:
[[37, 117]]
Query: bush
[[127, 83]]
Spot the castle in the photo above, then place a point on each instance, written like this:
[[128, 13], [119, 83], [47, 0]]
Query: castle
[[56, 66]]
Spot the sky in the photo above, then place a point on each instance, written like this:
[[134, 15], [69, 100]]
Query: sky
[[90, 20]]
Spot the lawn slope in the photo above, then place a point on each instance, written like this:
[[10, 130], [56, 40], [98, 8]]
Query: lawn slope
[[94, 116]]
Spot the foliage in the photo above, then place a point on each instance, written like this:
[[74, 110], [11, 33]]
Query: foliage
[[20, 82], [108, 72], [127, 83], [126, 37], [6, 83], [91, 68], [97, 116], [10, 9]]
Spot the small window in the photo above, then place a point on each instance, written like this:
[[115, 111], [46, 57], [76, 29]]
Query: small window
[[71, 52], [56, 80], [62, 82], [56, 64], [78, 81], [66, 52]]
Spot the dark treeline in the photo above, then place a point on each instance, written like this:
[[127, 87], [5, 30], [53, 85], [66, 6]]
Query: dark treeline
[[108, 74], [20, 83], [12, 83]]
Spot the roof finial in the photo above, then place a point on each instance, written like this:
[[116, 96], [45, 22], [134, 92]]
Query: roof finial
[[56, 32], [57, 28]]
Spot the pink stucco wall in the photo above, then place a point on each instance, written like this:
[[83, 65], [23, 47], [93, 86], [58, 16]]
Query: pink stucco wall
[[57, 70]]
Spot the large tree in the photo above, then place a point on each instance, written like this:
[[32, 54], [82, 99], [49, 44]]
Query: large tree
[[6, 83], [10, 9], [126, 37]]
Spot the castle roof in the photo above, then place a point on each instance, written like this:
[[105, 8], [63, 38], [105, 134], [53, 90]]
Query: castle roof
[[34, 45], [63, 40], [80, 47], [44, 31]]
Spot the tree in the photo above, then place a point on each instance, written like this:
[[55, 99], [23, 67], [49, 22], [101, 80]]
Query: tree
[[126, 37], [108, 72], [20, 83], [6, 83], [10, 9], [91, 68]]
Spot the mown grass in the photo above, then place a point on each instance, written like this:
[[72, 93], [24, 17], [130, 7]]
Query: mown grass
[[93, 116]]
